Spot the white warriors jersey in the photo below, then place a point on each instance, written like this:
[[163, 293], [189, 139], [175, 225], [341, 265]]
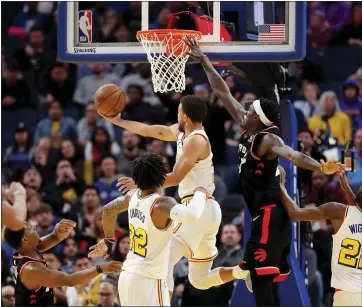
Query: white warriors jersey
[[149, 247], [347, 252], [202, 174]]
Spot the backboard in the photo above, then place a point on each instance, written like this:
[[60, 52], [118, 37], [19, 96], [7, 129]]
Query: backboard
[[260, 31]]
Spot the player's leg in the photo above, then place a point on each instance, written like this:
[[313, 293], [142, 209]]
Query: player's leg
[[200, 274], [263, 287], [177, 251]]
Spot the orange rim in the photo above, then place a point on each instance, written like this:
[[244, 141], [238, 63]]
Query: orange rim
[[159, 35]]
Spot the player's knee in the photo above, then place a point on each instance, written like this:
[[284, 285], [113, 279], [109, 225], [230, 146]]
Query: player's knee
[[199, 283]]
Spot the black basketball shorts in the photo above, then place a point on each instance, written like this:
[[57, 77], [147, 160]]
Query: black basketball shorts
[[269, 245]]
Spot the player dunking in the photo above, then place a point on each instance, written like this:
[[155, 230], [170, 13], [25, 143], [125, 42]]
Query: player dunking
[[260, 146], [34, 281], [144, 273], [347, 241], [193, 168]]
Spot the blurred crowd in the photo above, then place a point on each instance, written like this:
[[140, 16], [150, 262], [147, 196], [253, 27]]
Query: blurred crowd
[[70, 160]]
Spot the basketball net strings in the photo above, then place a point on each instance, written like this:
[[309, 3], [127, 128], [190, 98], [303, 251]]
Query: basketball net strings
[[168, 59]]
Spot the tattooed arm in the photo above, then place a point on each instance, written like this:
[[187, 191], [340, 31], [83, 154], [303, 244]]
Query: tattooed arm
[[160, 132]]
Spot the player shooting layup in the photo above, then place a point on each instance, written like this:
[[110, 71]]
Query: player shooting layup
[[193, 168], [144, 273], [260, 146], [347, 241]]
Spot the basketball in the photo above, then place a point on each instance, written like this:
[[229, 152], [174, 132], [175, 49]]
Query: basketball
[[110, 100]]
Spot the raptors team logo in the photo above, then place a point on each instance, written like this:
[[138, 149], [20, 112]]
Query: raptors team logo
[[85, 21]]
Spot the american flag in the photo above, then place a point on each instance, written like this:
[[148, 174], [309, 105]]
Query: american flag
[[271, 33]]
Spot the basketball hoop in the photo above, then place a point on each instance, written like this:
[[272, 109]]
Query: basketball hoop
[[167, 53]]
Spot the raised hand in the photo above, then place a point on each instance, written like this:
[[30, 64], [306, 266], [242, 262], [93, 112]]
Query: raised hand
[[99, 250], [15, 188], [114, 120], [126, 184], [63, 229], [112, 267], [331, 167], [282, 175], [195, 50]]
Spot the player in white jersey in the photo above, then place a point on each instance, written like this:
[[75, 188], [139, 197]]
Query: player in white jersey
[[193, 168], [142, 281], [347, 241]]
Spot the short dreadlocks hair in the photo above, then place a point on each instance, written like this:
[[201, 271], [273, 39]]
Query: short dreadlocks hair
[[195, 108], [148, 171], [271, 109]]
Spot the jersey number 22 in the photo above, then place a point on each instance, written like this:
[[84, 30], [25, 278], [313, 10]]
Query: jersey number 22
[[350, 254]]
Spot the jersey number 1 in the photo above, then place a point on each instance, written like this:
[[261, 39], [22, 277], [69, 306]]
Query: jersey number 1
[[350, 254], [138, 241]]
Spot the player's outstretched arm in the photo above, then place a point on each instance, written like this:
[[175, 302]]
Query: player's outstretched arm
[[191, 153], [167, 208], [61, 231], [273, 144], [330, 211], [13, 217], [217, 83], [160, 132], [351, 197], [35, 275]]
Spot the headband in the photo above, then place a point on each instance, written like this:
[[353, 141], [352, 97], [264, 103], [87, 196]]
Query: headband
[[261, 114]]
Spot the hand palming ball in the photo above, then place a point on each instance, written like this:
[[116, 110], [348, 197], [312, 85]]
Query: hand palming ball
[[110, 100]]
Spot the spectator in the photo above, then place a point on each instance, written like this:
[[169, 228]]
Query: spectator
[[36, 57], [59, 87], [42, 158], [32, 180], [337, 13], [162, 20], [309, 105], [6, 263], [355, 178], [351, 34], [315, 282], [161, 148], [232, 141], [351, 104], [96, 228], [309, 148], [7, 296], [107, 295], [143, 79], [16, 156], [319, 31], [332, 123], [202, 91], [140, 111], [121, 248], [85, 294], [54, 264], [87, 86], [56, 126], [108, 178], [99, 146], [15, 93], [70, 152], [65, 189], [84, 214], [33, 203], [29, 16], [110, 23], [130, 151], [69, 251], [322, 193], [46, 222], [88, 123]]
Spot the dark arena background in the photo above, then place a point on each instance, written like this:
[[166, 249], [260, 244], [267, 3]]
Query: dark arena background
[[69, 158]]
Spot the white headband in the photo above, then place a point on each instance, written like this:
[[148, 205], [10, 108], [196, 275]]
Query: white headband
[[261, 114]]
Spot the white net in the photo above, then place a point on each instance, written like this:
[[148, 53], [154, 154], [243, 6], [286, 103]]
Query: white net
[[168, 56]]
